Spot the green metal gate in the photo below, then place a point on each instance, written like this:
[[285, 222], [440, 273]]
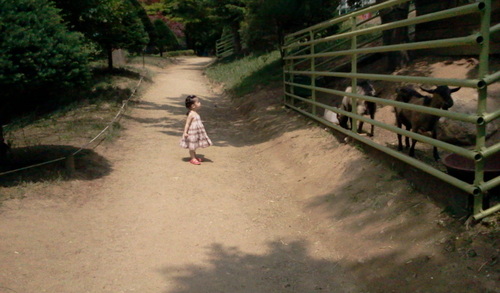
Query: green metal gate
[[307, 51], [224, 47]]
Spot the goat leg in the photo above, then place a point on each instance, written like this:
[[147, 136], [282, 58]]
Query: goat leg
[[400, 143], [372, 116], [407, 139], [412, 148], [343, 121], [360, 126], [435, 150]]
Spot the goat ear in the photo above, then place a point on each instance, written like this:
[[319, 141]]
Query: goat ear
[[427, 91], [455, 90]]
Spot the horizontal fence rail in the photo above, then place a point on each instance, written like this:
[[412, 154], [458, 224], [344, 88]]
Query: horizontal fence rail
[[468, 9], [312, 55]]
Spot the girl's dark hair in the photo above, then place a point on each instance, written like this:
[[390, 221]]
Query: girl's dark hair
[[190, 100]]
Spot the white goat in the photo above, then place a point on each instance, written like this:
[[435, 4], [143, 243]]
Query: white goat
[[363, 107]]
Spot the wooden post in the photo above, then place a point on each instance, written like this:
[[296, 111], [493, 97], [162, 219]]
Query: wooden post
[[70, 165]]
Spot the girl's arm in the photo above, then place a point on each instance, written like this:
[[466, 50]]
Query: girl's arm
[[188, 123]]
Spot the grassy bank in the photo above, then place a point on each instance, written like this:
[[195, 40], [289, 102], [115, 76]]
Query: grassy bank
[[241, 76], [74, 122]]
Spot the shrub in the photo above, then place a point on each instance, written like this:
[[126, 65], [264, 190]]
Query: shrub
[[37, 53]]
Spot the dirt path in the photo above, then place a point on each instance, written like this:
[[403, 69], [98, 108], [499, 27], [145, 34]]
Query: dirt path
[[279, 208], [160, 224]]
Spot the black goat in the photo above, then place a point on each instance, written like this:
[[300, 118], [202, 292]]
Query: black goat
[[363, 107], [421, 122]]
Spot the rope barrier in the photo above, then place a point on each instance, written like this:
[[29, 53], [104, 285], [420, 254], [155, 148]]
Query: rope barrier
[[118, 114]]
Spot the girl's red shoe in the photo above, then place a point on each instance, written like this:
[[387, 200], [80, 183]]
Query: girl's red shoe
[[195, 162], [199, 160]]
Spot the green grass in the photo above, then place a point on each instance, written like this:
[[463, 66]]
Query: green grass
[[180, 53], [240, 76], [76, 122]]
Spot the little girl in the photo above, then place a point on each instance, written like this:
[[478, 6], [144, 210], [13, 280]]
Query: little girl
[[194, 135]]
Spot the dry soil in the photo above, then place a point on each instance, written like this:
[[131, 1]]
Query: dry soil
[[278, 205]]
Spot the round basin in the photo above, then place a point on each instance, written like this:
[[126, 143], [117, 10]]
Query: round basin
[[463, 168]]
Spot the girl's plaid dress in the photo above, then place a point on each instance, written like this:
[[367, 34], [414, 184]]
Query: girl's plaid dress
[[197, 136]]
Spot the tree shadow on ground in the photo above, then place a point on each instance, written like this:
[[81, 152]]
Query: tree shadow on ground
[[195, 66], [400, 238], [253, 120], [286, 267], [381, 185], [104, 72], [167, 123], [226, 123], [88, 165], [290, 267]]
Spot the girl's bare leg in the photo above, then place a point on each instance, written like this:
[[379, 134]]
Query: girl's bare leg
[[192, 154]]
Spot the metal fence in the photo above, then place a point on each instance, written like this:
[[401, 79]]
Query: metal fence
[[314, 53]]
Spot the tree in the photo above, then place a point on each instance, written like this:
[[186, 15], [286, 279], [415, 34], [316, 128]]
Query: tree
[[230, 13], [268, 21], [153, 7], [201, 29], [146, 22], [37, 54], [395, 36], [447, 28], [263, 23], [175, 27], [112, 24], [166, 38]]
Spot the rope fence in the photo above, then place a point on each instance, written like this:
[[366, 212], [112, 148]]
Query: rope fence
[[117, 116]]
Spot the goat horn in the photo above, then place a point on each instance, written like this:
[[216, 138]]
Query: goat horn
[[427, 91]]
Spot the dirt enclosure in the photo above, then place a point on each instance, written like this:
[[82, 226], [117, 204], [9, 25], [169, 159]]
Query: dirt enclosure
[[279, 204]]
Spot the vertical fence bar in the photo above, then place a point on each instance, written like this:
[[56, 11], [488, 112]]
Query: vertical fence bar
[[479, 189], [70, 165], [285, 68], [292, 78], [313, 77], [354, 69], [481, 103]]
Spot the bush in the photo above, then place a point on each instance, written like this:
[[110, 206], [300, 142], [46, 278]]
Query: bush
[[36, 48], [37, 53]]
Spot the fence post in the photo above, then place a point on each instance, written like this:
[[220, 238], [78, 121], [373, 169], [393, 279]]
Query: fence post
[[70, 165], [313, 76], [292, 80], [481, 103], [479, 189], [354, 80]]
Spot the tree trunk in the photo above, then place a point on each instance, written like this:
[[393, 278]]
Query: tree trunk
[[395, 36], [3, 146], [235, 30], [110, 58], [281, 39], [446, 28]]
